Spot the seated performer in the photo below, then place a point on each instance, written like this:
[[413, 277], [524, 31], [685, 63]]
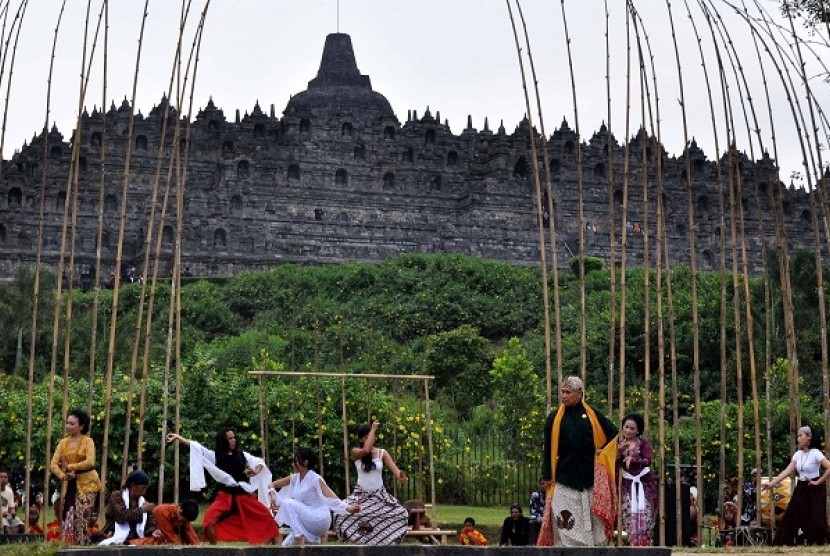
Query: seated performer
[[129, 515], [382, 519], [305, 501], [236, 514], [173, 524]]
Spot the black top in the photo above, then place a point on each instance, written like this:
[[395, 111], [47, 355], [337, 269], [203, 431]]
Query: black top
[[575, 464], [234, 465], [515, 531]]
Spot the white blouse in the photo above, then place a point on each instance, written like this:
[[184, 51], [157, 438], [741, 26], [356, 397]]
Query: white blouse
[[808, 464], [371, 480]]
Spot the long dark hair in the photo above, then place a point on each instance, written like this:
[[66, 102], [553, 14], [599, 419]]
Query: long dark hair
[[366, 461], [222, 448]]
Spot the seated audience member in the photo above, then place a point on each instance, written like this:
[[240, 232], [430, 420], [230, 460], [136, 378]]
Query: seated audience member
[[173, 525], [515, 529], [537, 512], [471, 536], [9, 523], [53, 528], [129, 515], [34, 527]]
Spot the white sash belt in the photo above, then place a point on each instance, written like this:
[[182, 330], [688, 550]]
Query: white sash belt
[[638, 495], [122, 530]]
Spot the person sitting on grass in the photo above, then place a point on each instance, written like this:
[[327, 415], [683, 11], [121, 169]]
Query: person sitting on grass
[[34, 527], [471, 536]]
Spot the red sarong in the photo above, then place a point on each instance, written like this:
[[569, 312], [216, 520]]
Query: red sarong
[[242, 517]]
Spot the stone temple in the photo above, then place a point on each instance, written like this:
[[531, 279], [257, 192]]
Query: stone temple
[[338, 178]]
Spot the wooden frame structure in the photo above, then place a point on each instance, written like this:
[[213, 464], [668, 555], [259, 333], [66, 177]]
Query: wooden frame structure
[[343, 376]]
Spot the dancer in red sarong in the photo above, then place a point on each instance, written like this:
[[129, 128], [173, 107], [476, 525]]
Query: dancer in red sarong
[[236, 514]]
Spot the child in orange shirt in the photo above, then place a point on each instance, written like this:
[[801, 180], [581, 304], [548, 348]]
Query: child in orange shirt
[[470, 536]]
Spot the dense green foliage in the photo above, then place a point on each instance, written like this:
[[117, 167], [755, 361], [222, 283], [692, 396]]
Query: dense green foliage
[[474, 325]]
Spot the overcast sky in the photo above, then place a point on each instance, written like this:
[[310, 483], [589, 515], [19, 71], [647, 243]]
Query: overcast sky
[[455, 56]]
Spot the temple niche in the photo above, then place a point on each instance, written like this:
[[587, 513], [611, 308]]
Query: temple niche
[[339, 178]]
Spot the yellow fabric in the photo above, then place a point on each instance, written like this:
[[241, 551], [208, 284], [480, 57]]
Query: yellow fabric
[[607, 457], [79, 458], [554, 448]]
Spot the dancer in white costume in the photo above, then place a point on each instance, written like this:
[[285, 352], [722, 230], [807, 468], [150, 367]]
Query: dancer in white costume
[[305, 501]]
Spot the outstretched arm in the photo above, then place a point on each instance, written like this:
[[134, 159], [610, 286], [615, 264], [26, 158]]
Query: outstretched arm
[[178, 438], [329, 493], [279, 483], [777, 480]]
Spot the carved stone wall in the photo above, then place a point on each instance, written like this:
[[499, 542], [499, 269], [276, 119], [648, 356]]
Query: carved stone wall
[[338, 178]]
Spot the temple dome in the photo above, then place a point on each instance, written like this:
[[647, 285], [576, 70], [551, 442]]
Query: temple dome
[[339, 86]]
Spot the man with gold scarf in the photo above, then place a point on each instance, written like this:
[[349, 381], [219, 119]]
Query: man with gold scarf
[[578, 466]]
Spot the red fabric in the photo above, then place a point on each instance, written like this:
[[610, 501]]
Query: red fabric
[[53, 530], [251, 521], [545, 537], [604, 500]]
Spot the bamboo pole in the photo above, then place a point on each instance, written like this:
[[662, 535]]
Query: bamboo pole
[[580, 188], [142, 298], [120, 251], [538, 192], [99, 233], [691, 233], [36, 293], [345, 429], [750, 324], [820, 176], [552, 229], [611, 146]]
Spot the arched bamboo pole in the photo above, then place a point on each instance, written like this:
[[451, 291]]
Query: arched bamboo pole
[[623, 292], [73, 176], [119, 253], [580, 188], [820, 176], [691, 227], [750, 325], [33, 338], [539, 201], [99, 232], [142, 298], [176, 299], [552, 229]]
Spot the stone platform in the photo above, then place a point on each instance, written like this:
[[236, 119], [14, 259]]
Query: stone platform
[[357, 550]]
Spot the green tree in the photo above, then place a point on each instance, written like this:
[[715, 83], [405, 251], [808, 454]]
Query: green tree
[[518, 399], [460, 360]]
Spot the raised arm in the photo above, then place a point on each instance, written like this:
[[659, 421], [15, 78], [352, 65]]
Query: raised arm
[[368, 444]]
